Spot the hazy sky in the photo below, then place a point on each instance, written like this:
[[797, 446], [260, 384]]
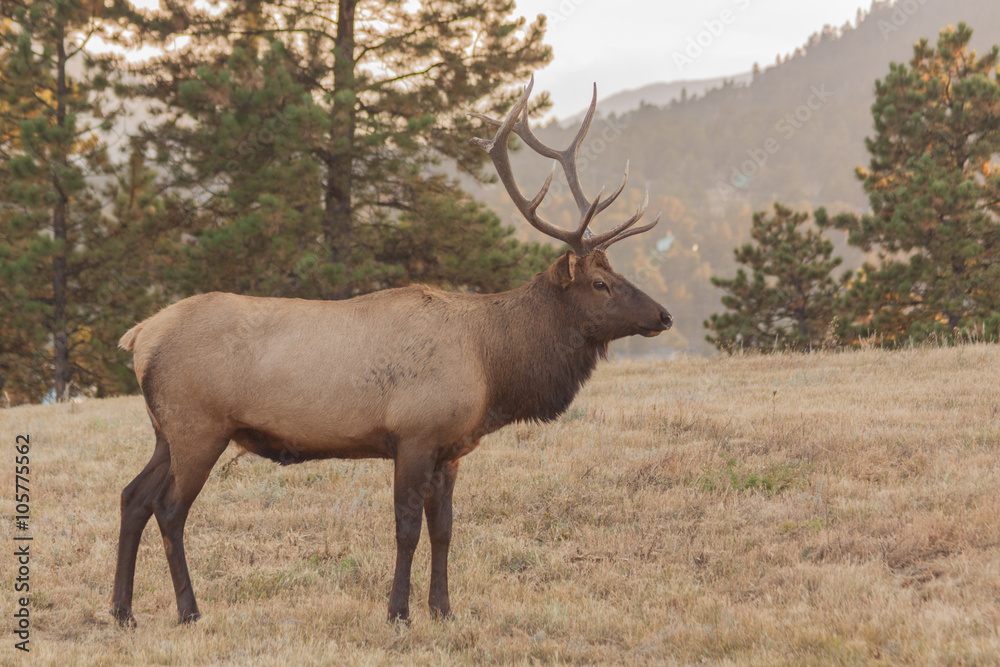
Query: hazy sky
[[624, 44]]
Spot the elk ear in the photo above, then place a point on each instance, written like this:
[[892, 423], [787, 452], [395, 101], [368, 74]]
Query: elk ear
[[564, 269]]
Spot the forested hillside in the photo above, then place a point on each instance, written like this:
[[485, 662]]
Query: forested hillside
[[794, 134], [244, 154]]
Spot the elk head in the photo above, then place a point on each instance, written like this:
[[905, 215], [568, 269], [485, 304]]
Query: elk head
[[604, 303]]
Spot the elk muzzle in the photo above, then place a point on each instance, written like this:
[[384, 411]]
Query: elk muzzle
[[665, 322]]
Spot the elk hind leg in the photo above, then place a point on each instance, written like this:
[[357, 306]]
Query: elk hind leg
[[136, 508], [171, 508]]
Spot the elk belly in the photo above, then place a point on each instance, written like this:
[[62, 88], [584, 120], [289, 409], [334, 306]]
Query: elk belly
[[378, 444]]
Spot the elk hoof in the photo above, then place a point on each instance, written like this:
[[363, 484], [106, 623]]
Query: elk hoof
[[400, 617], [441, 614], [187, 618], [124, 617]]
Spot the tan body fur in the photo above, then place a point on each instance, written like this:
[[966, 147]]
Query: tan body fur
[[319, 379]]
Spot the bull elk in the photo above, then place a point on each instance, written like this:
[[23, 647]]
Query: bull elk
[[414, 374]]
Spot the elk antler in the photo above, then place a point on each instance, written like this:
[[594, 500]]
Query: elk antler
[[582, 241]]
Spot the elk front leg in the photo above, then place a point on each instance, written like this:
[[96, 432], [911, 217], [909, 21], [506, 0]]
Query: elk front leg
[[412, 482], [437, 506]]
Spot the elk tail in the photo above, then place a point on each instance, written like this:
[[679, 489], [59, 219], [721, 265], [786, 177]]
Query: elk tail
[[127, 341]]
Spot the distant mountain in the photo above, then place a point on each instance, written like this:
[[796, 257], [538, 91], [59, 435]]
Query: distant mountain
[[657, 94], [795, 134]]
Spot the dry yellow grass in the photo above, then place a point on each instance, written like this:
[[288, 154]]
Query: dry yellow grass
[[793, 509]]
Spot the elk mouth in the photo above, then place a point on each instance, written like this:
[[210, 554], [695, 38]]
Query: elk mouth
[[651, 333], [665, 321]]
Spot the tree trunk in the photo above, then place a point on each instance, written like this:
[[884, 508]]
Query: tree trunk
[[958, 292], [60, 336], [337, 219]]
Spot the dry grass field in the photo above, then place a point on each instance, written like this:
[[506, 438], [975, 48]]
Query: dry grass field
[[831, 508]]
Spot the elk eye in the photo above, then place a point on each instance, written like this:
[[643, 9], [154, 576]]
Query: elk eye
[[598, 284]]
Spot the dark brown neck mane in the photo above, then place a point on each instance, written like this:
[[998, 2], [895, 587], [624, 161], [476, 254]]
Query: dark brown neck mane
[[535, 354]]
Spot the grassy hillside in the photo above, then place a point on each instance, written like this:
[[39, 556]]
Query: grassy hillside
[[795, 509]]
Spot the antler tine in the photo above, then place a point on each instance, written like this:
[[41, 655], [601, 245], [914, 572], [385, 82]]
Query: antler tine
[[506, 125], [533, 204], [497, 150], [486, 119], [614, 195], [572, 151], [609, 236], [585, 126], [523, 130], [582, 232], [632, 232]]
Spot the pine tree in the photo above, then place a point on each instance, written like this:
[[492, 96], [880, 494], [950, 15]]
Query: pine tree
[[57, 244], [314, 138], [934, 189], [788, 303]]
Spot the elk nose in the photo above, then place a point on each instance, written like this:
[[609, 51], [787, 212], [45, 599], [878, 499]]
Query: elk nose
[[665, 319]]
